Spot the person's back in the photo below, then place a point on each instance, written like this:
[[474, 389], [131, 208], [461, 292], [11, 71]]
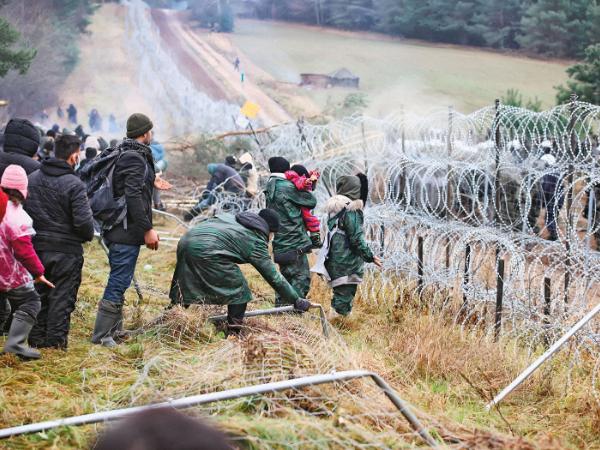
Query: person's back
[[226, 176], [134, 178], [63, 220], [283, 197], [21, 142], [291, 243]]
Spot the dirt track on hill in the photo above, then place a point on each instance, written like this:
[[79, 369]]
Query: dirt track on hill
[[210, 71]]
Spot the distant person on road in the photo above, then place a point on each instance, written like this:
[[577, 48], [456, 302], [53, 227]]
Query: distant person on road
[[72, 113], [95, 120], [236, 64]]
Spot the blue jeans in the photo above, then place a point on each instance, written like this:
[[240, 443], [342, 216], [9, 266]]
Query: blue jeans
[[122, 259]]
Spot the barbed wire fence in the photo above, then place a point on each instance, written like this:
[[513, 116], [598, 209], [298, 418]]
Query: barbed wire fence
[[498, 209]]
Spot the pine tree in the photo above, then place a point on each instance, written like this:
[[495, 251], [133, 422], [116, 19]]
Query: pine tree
[[11, 59], [498, 23], [555, 27], [584, 78]]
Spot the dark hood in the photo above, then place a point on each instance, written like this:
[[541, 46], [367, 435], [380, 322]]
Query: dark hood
[[133, 145], [21, 137], [56, 167], [254, 222]]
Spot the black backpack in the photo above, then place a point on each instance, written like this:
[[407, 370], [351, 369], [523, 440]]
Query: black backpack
[[98, 178]]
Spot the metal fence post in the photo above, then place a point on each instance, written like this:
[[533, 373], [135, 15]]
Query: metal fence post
[[547, 308], [466, 272], [420, 264], [499, 298]]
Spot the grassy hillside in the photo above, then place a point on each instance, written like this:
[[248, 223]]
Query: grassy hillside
[[446, 372], [393, 72]]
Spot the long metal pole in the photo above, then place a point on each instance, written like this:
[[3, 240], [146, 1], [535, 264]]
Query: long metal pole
[[538, 362], [276, 311], [230, 394]]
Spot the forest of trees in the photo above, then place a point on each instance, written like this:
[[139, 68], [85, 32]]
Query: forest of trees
[[557, 28], [38, 49]]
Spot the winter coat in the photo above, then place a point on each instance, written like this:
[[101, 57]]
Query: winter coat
[[58, 204], [21, 142], [6, 159], [283, 197], [348, 250], [222, 174], [133, 177], [208, 256]]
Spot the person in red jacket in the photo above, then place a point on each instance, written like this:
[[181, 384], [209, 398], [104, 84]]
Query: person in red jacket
[[3, 202], [306, 181], [19, 266]]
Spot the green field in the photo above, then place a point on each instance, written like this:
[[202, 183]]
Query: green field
[[418, 75]]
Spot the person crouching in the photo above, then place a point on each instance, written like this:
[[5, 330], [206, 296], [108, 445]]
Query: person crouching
[[208, 255]]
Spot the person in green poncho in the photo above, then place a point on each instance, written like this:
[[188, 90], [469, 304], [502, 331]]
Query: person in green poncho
[[346, 249], [291, 243], [208, 255]]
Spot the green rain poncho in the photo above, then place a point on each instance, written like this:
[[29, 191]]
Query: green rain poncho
[[208, 256], [348, 250], [283, 197]]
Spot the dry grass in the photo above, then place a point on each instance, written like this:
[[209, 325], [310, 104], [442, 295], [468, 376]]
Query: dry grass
[[445, 371]]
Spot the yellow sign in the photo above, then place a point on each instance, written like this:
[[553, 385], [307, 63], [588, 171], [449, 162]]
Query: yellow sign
[[250, 110]]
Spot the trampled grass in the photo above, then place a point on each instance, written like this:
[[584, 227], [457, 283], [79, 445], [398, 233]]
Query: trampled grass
[[393, 72], [447, 373]]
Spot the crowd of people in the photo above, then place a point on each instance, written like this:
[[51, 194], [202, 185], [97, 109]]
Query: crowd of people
[[50, 206]]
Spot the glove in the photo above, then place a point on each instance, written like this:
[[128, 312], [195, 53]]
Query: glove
[[315, 238], [302, 305]]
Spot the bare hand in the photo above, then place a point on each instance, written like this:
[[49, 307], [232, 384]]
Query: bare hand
[[162, 184], [151, 239], [377, 261], [43, 280]]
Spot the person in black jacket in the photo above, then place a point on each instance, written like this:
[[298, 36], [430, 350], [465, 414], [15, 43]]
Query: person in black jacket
[[62, 219], [134, 178], [21, 142]]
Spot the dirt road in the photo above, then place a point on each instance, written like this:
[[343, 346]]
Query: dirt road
[[210, 70]]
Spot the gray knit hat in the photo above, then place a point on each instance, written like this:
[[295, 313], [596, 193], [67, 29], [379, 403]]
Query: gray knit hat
[[138, 124]]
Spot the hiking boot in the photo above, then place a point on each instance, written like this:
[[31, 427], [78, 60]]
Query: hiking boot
[[108, 321], [16, 342]]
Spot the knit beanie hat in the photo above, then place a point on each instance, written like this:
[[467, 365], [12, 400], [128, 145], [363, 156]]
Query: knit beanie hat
[[278, 164], [14, 177], [348, 185], [300, 170], [270, 216], [3, 202], [138, 124]]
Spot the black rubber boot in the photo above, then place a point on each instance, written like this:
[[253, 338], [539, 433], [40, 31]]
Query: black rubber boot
[[108, 321], [16, 342]]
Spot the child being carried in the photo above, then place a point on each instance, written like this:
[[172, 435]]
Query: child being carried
[[306, 181]]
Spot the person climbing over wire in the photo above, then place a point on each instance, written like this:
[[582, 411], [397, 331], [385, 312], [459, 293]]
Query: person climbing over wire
[[344, 253], [208, 255], [223, 177]]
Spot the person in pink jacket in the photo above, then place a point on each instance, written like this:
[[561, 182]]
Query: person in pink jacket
[[19, 266]]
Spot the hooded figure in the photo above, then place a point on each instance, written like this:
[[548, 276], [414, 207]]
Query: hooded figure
[[21, 142], [208, 255], [346, 249], [291, 243]]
